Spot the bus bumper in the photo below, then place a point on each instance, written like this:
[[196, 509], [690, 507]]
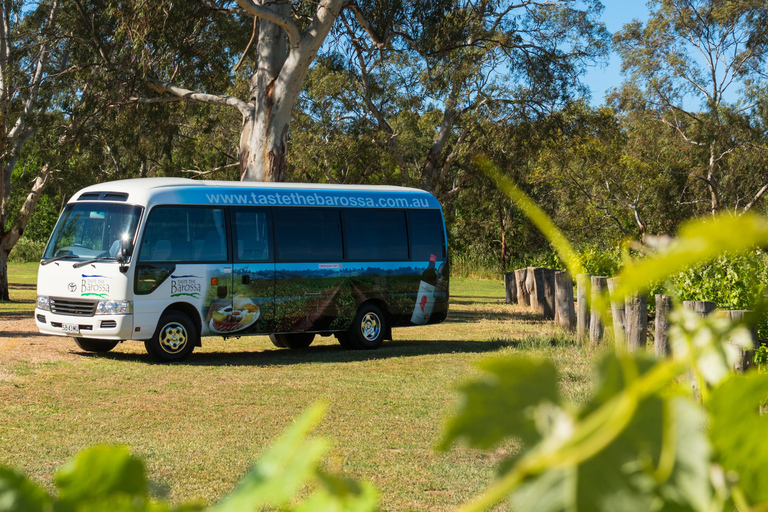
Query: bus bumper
[[104, 327]]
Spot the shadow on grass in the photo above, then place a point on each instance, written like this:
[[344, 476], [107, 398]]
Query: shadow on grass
[[321, 353]]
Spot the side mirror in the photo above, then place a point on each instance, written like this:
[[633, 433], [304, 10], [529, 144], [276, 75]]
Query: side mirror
[[126, 250]]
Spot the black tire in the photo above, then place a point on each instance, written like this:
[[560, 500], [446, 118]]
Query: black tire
[[93, 345], [293, 340], [343, 339], [369, 327], [174, 339]]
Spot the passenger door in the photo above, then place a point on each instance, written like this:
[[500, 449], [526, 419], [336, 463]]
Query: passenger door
[[311, 281], [253, 291]]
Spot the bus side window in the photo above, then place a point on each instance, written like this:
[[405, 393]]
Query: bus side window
[[184, 234], [308, 234], [252, 235], [426, 234], [375, 235]]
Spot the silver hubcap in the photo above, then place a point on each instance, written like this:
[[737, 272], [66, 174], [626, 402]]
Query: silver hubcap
[[371, 326], [173, 338]]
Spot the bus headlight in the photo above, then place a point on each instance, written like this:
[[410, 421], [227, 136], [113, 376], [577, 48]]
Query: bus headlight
[[43, 303], [114, 307]]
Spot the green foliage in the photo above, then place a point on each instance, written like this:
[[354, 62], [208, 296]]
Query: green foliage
[[27, 251], [731, 281]]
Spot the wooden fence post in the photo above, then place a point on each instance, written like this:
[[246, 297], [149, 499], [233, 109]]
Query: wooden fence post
[[582, 313], [747, 355], [565, 314], [596, 329], [530, 285], [636, 321], [661, 335], [510, 288], [547, 293], [523, 294], [618, 314], [702, 307]]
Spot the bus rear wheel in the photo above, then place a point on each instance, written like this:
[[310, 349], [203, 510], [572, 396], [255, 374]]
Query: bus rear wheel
[[93, 345], [174, 339], [368, 329], [292, 340]]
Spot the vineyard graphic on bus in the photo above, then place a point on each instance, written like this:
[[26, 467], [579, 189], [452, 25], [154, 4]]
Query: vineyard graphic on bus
[[306, 297]]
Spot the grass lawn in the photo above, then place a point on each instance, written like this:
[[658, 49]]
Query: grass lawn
[[199, 425]]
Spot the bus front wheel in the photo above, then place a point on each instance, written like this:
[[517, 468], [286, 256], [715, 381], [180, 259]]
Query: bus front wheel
[[368, 329], [174, 338], [92, 345], [292, 340]]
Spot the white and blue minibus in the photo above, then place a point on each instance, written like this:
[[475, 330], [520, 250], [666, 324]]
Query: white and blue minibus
[[170, 260]]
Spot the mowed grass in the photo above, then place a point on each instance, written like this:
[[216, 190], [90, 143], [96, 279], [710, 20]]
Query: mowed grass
[[201, 424], [22, 278]]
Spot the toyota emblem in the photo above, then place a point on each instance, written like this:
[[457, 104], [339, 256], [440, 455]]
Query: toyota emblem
[[72, 287]]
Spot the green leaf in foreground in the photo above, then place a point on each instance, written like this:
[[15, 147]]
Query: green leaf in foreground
[[500, 404], [19, 494], [737, 432], [102, 474], [287, 466]]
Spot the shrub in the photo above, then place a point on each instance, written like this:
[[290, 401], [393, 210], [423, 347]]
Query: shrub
[[26, 251]]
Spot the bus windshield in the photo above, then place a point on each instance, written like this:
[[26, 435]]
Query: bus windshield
[[92, 231]]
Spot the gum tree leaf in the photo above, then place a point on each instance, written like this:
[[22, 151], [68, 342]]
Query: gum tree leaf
[[20, 494], [500, 404], [735, 432]]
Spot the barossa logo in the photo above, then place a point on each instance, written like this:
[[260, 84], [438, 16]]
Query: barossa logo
[[94, 286], [188, 286]]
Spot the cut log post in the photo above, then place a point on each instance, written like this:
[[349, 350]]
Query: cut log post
[[596, 329], [661, 333], [582, 311], [510, 287], [523, 294], [534, 274], [702, 307], [617, 314], [565, 312], [747, 358], [636, 321], [545, 291]]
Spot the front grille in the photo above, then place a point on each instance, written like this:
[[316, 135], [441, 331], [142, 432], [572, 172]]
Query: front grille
[[73, 307]]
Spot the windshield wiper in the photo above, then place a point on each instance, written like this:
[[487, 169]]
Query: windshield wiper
[[57, 258], [84, 263]]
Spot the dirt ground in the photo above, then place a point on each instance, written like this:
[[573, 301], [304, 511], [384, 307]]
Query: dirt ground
[[20, 341]]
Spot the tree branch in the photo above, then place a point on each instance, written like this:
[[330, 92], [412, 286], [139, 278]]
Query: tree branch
[[179, 93], [284, 22]]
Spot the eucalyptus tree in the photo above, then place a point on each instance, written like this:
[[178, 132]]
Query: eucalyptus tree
[[27, 52], [265, 49], [694, 65], [426, 83]]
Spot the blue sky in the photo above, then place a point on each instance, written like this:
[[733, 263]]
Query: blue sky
[[615, 15]]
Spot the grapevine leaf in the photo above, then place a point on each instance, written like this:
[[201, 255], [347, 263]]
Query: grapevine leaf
[[500, 403], [101, 473], [660, 459], [282, 469], [736, 422], [19, 494], [341, 495]]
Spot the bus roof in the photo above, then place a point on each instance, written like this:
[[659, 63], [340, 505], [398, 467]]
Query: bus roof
[[154, 191]]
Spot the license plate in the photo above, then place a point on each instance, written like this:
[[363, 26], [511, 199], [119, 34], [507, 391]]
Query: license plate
[[70, 328]]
